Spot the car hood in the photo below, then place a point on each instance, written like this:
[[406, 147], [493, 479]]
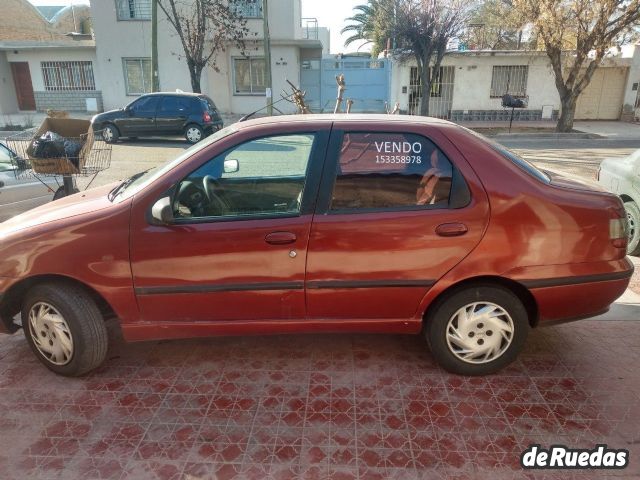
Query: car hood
[[110, 114], [86, 202]]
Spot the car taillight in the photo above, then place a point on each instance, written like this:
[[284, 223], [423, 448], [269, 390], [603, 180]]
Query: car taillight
[[206, 117], [618, 227]]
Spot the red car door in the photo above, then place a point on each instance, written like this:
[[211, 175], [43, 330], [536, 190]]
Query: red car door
[[398, 207], [237, 247]]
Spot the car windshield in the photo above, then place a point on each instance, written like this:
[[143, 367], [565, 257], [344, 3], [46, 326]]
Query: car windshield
[[140, 180], [5, 159]]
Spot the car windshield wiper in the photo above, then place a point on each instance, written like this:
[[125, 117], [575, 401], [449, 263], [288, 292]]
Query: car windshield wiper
[[120, 188]]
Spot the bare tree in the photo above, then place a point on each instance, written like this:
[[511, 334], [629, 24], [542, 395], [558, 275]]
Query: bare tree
[[205, 28], [422, 29], [577, 34]]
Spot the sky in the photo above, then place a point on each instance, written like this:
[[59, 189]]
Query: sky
[[330, 14]]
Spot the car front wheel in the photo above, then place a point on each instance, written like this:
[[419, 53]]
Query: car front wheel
[[633, 217], [64, 328], [478, 330]]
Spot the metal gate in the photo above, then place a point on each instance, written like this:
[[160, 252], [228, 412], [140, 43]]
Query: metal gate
[[368, 82], [441, 94]]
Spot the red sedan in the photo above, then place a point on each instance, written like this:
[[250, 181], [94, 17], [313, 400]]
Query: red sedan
[[326, 223]]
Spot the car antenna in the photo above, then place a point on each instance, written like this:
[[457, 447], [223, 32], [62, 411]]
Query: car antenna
[[249, 115]]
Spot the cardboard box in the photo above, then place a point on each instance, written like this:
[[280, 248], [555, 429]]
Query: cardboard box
[[71, 128]]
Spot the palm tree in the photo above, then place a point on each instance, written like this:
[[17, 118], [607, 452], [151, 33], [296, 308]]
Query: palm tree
[[366, 26]]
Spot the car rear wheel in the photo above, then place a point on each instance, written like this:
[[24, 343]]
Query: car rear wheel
[[478, 330], [64, 328], [633, 217], [193, 133], [110, 133]]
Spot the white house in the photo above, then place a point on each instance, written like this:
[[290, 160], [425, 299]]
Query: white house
[[123, 46], [471, 83]]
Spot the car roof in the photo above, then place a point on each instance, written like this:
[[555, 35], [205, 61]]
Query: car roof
[[176, 94], [344, 117]]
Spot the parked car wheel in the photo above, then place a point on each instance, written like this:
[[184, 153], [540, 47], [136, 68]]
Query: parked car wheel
[[633, 217], [193, 133], [61, 192], [110, 133], [64, 328], [478, 330]]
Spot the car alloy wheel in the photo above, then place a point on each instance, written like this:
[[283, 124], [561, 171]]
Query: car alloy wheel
[[194, 134], [50, 333], [479, 332]]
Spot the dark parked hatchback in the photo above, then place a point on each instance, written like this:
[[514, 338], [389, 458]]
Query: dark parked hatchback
[[158, 114]]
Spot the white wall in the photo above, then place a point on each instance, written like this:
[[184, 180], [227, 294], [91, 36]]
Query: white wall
[[632, 52], [119, 39], [8, 100], [472, 81], [35, 57], [220, 85]]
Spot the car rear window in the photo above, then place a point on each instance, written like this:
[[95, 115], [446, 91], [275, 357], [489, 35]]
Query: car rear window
[[209, 102]]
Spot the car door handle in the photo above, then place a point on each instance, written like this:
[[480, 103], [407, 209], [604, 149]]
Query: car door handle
[[280, 238], [451, 229]]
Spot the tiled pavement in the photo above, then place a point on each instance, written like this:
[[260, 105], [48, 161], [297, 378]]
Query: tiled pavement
[[340, 407]]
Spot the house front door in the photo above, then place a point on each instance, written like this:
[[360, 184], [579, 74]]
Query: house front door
[[24, 87]]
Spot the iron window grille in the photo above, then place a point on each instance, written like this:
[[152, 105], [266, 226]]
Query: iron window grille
[[133, 9], [137, 75], [68, 76], [249, 76], [509, 79], [248, 8]]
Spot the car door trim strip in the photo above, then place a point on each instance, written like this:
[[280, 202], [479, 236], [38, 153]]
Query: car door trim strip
[[227, 287], [368, 283], [556, 282]]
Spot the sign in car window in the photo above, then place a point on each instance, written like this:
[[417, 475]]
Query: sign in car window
[[390, 170]]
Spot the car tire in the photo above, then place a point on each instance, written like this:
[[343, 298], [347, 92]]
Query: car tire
[[465, 340], [193, 133], [633, 216], [110, 133], [61, 193], [70, 331]]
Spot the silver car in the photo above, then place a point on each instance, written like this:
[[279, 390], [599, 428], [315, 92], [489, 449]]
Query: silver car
[[23, 192], [622, 177]]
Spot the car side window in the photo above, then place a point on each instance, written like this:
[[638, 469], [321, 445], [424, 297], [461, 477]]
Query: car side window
[[389, 171], [5, 159], [264, 176], [146, 105], [169, 104]]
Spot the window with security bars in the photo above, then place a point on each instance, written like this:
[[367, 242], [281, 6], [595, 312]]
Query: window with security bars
[[510, 79], [249, 76], [415, 82], [137, 75], [248, 8], [133, 9], [66, 76]]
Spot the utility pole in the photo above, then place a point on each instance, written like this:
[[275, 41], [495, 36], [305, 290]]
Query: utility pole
[[155, 79], [267, 56]]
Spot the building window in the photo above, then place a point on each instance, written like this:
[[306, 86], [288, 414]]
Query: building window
[[137, 75], [65, 76], [249, 76], [248, 8], [133, 9], [510, 79]]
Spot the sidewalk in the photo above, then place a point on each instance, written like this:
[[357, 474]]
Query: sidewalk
[[611, 130]]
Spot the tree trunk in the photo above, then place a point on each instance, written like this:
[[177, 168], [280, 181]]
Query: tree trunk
[[425, 80], [195, 73], [567, 111]]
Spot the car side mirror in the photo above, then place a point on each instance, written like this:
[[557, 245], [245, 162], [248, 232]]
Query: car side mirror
[[162, 211], [231, 166]]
